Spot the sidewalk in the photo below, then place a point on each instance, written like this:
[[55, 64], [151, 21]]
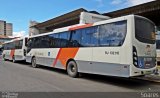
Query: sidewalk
[[153, 77], [158, 67]]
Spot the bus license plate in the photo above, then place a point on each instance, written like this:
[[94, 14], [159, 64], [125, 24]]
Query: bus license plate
[[147, 63]]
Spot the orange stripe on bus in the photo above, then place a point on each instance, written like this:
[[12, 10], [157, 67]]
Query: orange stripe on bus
[[55, 61], [80, 27], [12, 53], [65, 54]]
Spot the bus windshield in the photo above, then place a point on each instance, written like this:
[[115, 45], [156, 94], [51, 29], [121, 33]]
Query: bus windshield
[[144, 30]]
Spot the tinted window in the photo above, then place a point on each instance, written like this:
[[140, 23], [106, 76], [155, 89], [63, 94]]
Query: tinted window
[[59, 40], [144, 30], [36, 42], [30, 43], [51, 40], [76, 38], [86, 37], [44, 42], [54, 40], [18, 44], [89, 37], [94, 36], [64, 39], [112, 34], [9, 46]]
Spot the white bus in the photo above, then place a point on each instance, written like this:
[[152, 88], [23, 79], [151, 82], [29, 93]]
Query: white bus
[[158, 45], [123, 46], [15, 49]]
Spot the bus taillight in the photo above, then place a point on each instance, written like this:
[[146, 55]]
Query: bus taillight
[[135, 57], [24, 52]]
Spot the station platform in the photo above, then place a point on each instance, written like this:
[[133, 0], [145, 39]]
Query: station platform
[[152, 78]]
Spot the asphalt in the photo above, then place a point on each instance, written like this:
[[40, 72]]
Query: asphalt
[[20, 77]]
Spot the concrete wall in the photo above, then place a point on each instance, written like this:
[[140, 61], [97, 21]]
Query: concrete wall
[[32, 29]]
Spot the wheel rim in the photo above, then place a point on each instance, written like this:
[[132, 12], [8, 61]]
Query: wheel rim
[[72, 68]]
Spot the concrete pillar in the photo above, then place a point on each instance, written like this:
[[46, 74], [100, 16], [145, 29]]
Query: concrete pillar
[[32, 29]]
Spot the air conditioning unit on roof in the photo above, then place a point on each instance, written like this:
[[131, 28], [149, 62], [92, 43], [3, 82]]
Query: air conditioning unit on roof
[[87, 17]]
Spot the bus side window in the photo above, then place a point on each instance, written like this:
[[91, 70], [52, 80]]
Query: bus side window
[[112, 34], [75, 39], [64, 39]]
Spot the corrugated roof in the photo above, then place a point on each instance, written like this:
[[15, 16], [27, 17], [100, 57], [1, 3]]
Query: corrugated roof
[[67, 19], [150, 10]]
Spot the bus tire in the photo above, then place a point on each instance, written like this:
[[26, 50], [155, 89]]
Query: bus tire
[[4, 58], [13, 59], [72, 69], [33, 62]]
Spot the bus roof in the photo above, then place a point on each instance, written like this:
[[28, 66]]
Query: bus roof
[[14, 40]]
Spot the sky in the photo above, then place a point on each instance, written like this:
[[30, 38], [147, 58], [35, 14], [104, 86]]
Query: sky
[[20, 12]]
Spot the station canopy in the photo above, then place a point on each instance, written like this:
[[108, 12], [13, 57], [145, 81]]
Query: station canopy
[[67, 19], [149, 10]]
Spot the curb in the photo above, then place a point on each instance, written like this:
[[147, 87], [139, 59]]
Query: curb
[[150, 78]]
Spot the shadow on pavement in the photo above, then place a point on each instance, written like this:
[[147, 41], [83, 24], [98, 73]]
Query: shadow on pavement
[[118, 81]]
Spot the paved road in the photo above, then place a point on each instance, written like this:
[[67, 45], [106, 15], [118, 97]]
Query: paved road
[[20, 77]]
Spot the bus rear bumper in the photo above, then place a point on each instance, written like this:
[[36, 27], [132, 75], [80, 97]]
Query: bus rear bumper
[[143, 72]]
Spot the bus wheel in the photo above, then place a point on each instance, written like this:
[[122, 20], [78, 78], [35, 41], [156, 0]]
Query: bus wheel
[[13, 60], [34, 65], [72, 69]]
